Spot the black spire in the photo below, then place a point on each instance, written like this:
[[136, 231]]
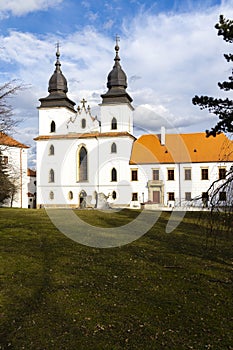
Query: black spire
[[57, 88], [117, 82], [58, 82]]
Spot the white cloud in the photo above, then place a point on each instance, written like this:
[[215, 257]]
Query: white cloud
[[22, 7], [108, 24], [176, 56], [168, 59]]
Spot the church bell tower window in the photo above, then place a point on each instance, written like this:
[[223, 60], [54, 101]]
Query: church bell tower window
[[52, 127], [114, 124]]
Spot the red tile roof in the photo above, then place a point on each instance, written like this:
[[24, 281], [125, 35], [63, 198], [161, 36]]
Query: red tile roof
[[182, 148], [6, 140], [31, 172]]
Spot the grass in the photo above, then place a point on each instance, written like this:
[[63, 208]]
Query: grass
[[163, 291]]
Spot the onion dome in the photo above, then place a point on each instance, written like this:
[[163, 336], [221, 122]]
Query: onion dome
[[58, 82], [117, 83], [117, 76], [57, 88]]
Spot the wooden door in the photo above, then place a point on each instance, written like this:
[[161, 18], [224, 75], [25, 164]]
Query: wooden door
[[156, 197]]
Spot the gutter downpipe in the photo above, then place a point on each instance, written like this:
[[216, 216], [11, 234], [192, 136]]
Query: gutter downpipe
[[179, 185]]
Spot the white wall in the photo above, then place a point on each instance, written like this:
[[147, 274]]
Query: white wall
[[123, 114], [179, 186], [100, 164], [17, 164]]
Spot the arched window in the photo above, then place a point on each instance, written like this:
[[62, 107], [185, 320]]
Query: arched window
[[83, 123], [83, 164], [114, 123], [70, 195], [113, 148], [51, 150], [52, 127], [114, 195], [51, 195], [51, 175], [114, 175]]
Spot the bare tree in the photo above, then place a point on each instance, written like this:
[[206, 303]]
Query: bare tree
[[7, 124], [218, 220], [7, 90]]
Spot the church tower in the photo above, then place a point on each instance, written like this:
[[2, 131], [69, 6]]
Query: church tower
[[116, 108], [56, 108]]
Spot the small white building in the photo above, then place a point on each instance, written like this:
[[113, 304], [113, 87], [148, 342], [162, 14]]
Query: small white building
[[14, 156], [83, 161]]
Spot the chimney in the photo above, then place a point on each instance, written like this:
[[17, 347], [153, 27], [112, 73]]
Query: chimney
[[163, 136]]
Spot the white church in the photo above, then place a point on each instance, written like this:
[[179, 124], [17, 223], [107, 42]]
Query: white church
[[86, 162]]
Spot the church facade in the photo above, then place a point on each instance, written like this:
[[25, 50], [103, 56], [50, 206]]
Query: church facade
[[86, 162]]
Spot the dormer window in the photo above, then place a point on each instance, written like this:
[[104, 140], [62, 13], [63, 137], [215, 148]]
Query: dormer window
[[114, 124], [52, 127]]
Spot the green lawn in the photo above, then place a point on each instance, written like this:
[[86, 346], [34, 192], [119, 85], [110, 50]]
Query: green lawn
[[163, 291]]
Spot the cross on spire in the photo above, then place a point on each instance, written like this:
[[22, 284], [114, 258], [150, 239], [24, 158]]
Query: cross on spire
[[83, 102], [58, 50], [117, 39]]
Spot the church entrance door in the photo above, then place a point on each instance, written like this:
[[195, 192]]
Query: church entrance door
[[156, 197]]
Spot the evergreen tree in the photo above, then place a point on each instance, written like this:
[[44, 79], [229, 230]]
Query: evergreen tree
[[7, 188], [223, 108]]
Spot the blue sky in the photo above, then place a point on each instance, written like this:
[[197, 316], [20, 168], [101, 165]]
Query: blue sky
[[42, 17], [169, 50]]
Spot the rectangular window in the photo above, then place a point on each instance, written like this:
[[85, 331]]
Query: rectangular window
[[134, 196], [170, 174], [155, 174], [187, 174], [171, 196], [221, 173], [134, 175], [222, 196], [205, 174], [188, 196]]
